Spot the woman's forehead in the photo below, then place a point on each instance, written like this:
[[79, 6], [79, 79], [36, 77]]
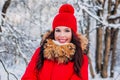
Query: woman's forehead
[[62, 27]]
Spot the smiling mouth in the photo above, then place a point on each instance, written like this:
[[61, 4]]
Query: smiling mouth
[[62, 40]]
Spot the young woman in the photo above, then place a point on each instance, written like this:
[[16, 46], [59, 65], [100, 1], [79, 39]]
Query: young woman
[[61, 54]]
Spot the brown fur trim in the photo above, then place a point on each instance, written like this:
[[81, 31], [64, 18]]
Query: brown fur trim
[[83, 40], [44, 37], [60, 53]]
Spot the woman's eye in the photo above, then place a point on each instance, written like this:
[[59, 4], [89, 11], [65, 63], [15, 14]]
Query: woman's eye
[[57, 30], [67, 30]]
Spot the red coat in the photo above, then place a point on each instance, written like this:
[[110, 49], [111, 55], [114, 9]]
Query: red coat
[[54, 71]]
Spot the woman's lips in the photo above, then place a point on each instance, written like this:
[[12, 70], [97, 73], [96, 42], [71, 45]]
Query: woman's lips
[[62, 40]]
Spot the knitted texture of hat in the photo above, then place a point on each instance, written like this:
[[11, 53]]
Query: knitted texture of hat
[[65, 17]]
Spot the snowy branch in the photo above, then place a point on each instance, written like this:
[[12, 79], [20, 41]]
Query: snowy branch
[[8, 73], [96, 17], [16, 34], [1, 51], [22, 54]]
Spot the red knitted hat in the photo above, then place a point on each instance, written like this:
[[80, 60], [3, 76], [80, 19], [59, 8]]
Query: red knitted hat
[[65, 17]]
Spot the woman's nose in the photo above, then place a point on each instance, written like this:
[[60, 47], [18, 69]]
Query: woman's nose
[[62, 34]]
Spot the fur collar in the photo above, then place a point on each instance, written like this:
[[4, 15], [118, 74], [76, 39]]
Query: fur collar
[[60, 53]]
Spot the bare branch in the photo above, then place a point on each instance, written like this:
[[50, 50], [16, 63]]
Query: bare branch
[[8, 73], [5, 7]]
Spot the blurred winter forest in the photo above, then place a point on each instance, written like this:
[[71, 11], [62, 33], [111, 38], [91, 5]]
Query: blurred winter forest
[[23, 22]]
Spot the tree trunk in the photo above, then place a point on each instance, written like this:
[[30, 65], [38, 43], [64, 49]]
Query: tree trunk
[[90, 66], [109, 7], [88, 53], [0, 32], [106, 53], [0, 29], [115, 7], [112, 38], [103, 4], [99, 49], [4, 9], [113, 11], [113, 57]]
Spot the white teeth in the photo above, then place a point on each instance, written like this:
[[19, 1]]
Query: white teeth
[[62, 41]]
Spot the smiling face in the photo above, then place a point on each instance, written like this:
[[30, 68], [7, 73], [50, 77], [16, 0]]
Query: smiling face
[[63, 34]]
